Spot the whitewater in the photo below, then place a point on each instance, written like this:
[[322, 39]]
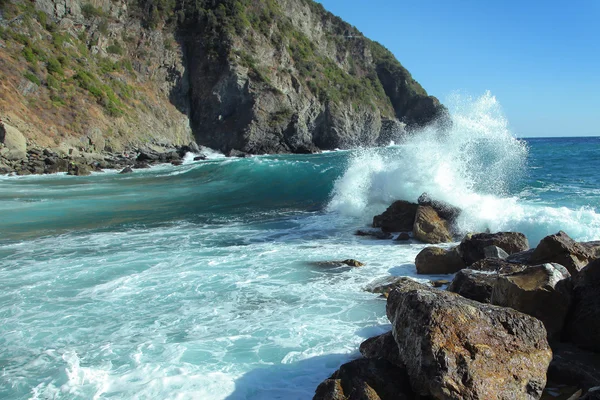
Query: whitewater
[[204, 281]]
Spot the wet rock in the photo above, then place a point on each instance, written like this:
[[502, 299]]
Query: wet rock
[[375, 234], [494, 252], [583, 323], [592, 394], [141, 165], [176, 162], [542, 291], [429, 227], [474, 285], [398, 217], [126, 170], [472, 246], [382, 346], [384, 286], [200, 157], [236, 153], [445, 210], [147, 156], [352, 263], [439, 283], [497, 265], [403, 237], [455, 348], [573, 366], [366, 379], [561, 249], [78, 170], [435, 260]]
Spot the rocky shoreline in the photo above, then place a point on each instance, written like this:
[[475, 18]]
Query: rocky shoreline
[[514, 323]]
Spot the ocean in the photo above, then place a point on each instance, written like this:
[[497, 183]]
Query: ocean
[[203, 281]]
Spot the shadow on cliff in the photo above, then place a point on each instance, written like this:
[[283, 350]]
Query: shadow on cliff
[[297, 380]]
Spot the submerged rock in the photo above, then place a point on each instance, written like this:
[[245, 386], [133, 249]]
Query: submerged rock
[[126, 170], [429, 227], [375, 234], [561, 249], [435, 260], [542, 291], [455, 348], [472, 248], [399, 217]]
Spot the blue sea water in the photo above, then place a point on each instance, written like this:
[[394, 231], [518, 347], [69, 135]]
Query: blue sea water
[[202, 281]]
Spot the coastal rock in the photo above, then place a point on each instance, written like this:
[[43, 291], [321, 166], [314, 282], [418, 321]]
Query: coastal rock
[[522, 257], [429, 227], [472, 246], [445, 210], [126, 170], [494, 252], [352, 263], [435, 260], [455, 348], [200, 157], [382, 346], [399, 217], [592, 394], [497, 265], [236, 153], [373, 233], [384, 286], [561, 249], [573, 366], [78, 170], [583, 322], [366, 379], [474, 285], [542, 291], [13, 141], [592, 247], [403, 237]]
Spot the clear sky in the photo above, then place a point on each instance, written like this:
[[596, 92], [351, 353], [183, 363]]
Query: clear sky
[[541, 59]]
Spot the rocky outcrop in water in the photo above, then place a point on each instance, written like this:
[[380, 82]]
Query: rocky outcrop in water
[[561, 249], [476, 247], [435, 260]]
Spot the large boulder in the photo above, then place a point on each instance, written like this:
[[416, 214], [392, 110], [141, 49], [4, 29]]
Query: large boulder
[[435, 260], [542, 291], [474, 285], [583, 322], [473, 247], [445, 210], [366, 379], [15, 144], [429, 227], [382, 346], [561, 249], [77, 169], [455, 348], [592, 247], [399, 217], [386, 285]]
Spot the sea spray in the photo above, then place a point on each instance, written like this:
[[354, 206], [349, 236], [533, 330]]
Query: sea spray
[[476, 156]]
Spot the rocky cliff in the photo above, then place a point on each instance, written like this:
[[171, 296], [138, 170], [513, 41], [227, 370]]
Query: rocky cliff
[[257, 76]]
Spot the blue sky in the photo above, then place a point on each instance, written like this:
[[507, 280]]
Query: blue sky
[[541, 59]]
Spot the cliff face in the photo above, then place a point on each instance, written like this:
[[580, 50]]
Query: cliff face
[[258, 76]]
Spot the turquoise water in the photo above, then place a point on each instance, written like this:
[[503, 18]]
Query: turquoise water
[[201, 282]]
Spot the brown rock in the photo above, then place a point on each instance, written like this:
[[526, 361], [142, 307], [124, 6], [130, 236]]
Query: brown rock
[[398, 217], [384, 286], [561, 249], [382, 346], [592, 247], [542, 291], [474, 285], [472, 248], [497, 265], [583, 323], [403, 236], [366, 379], [445, 210], [430, 228], [435, 260], [352, 263], [455, 348], [79, 170]]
